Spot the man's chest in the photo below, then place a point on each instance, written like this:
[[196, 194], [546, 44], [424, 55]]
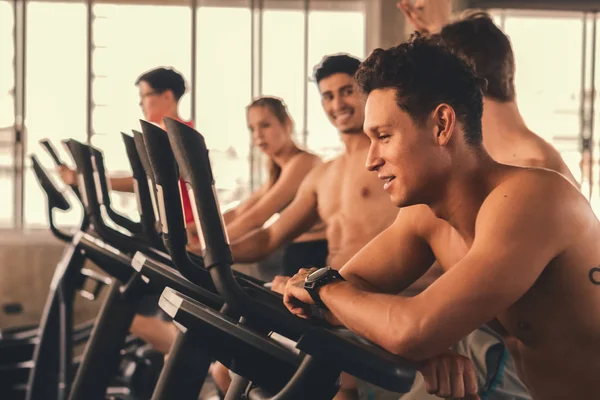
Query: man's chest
[[352, 192]]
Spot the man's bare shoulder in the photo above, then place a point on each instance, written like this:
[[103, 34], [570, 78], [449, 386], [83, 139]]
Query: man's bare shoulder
[[539, 191], [323, 169], [537, 179], [539, 153], [533, 182], [319, 172]]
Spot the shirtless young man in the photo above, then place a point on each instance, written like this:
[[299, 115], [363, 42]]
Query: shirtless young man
[[341, 193], [160, 91], [518, 245], [508, 140]]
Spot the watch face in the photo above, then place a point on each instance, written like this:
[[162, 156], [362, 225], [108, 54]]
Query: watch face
[[317, 274]]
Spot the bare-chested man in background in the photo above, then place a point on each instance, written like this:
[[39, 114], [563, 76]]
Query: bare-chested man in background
[[341, 192]]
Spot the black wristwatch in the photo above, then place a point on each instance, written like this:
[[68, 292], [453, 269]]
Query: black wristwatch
[[316, 280]]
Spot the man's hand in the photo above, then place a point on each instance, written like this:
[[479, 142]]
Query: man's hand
[[67, 175], [195, 248], [295, 297], [193, 240], [450, 376], [278, 284], [427, 16]]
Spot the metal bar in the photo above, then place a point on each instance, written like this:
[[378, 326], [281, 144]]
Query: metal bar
[[188, 353], [252, 55], [193, 90], [256, 83], [260, 45], [252, 58], [89, 71], [582, 97], [103, 350], [16, 124], [237, 388], [260, 73], [46, 375], [592, 100], [66, 293], [305, 75], [19, 63]]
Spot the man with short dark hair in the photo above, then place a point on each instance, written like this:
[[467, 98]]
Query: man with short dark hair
[[160, 90], [518, 246], [338, 192], [508, 140], [341, 192]]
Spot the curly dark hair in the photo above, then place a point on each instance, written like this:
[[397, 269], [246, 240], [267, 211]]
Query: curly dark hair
[[425, 73]]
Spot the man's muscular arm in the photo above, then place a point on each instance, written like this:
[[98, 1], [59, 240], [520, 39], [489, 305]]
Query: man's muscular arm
[[296, 219], [405, 257], [520, 228]]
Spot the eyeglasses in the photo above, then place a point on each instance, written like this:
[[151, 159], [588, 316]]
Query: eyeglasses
[[144, 95]]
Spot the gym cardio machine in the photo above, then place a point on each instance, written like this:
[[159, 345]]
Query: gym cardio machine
[[247, 345]]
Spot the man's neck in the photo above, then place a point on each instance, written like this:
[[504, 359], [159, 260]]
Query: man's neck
[[502, 125], [464, 191], [354, 142], [171, 113]]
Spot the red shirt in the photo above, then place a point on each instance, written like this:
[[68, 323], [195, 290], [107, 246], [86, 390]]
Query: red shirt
[[185, 197]]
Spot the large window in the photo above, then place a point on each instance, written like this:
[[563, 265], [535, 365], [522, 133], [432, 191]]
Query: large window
[[592, 101], [224, 81], [128, 41], [553, 54], [282, 51], [282, 66], [548, 81], [329, 32], [228, 50], [6, 113], [55, 90]]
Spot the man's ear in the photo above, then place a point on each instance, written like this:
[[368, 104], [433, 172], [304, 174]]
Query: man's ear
[[169, 95], [444, 120]]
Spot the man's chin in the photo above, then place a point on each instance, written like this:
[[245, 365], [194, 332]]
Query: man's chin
[[400, 201], [397, 202]]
